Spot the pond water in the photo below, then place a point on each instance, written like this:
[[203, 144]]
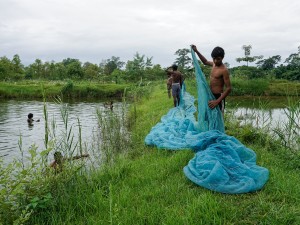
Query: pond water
[[260, 117], [14, 126]]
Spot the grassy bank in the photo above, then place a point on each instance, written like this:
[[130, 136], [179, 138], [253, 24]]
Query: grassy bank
[[69, 89], [83, 89], [147, 185], [264, 87]]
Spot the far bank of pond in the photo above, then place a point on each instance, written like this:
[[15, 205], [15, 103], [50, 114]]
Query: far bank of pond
[[68, 89], [32, 89]]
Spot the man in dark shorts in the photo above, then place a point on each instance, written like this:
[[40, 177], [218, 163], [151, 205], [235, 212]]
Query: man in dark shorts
[[177, 80], [219, 77], [222, 103]]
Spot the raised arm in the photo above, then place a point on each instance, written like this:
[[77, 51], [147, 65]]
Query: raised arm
[[201, 57]]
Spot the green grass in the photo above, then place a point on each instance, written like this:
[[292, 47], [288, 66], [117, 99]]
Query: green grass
[[69, 89], [148, 186]]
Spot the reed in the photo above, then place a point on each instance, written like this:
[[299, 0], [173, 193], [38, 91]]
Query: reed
[[289, 132]]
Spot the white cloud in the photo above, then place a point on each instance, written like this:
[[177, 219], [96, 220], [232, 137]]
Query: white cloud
[[93, 30]]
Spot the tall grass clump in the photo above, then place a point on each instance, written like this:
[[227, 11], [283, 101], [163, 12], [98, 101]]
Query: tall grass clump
[[255, 87], [289, 132], [258, 126], [24, 188], [113, 136]]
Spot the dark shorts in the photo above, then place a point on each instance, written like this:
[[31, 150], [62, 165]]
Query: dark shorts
[[222, 103], [176, 89]]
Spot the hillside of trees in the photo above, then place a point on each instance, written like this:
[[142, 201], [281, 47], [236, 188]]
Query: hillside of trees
[[114, 70]]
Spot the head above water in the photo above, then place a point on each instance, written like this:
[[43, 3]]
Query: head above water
[[218, 52], [30, 116], [58, 157]]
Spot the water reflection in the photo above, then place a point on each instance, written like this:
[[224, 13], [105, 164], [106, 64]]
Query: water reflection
[[260, 118]]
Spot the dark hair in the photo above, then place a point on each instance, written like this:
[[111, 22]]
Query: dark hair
[[174, 67], [217, 52], [30, 115]]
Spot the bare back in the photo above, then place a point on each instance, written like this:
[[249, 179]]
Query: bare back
[[176, 77]]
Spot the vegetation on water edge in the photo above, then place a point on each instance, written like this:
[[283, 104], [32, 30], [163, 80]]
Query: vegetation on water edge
[[92, 89], [68, 89], [145, 185]]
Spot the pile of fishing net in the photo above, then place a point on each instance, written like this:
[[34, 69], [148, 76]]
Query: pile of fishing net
[[221, 162]]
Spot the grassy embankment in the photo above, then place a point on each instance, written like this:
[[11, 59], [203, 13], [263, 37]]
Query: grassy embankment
[[147, 186], [77, 89], [69, 89]]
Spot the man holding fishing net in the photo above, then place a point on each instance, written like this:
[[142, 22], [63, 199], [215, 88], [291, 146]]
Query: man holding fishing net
[[219, 77]]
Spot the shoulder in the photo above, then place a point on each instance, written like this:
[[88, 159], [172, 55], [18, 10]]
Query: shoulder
[[225, 70]]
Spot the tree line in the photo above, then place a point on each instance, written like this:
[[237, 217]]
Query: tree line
[[142, 68]]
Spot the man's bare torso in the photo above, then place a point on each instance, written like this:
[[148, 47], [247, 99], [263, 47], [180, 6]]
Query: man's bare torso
[[217, 79], [176, 77]]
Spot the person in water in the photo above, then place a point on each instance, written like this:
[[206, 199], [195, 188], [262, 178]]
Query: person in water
[[219, 77], [59, 160], [109, 105], [30, 119]]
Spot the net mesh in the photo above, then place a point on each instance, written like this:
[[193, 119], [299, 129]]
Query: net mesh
[[221, 162]]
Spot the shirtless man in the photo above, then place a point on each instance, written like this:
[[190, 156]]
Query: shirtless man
[[219, 77], [169, 85], [177, 80]]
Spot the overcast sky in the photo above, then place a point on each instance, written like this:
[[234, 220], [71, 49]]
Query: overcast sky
[[93, 30]]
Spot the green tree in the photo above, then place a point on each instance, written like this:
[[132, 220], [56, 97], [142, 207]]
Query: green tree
[[60, 71], [135, 68], [247, 58], [293, 66], [269, 63], [6, 68], [90, 71], [74, 70], [35, 70], [249, 72], [109, 65], [294, 59], [17, 65], [183, 60]]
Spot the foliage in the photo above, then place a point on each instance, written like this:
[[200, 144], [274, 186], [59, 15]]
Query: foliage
[[114, 70], [69, 88], [183, 61], [270, 63], [248, 58], [109, 65], [23, 188], [249, 87], [248, 72]]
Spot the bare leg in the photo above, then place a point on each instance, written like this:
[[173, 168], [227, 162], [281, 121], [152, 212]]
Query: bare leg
[[175, 100]]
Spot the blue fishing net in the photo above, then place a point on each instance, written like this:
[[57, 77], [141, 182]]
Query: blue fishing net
[[221, 163]]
